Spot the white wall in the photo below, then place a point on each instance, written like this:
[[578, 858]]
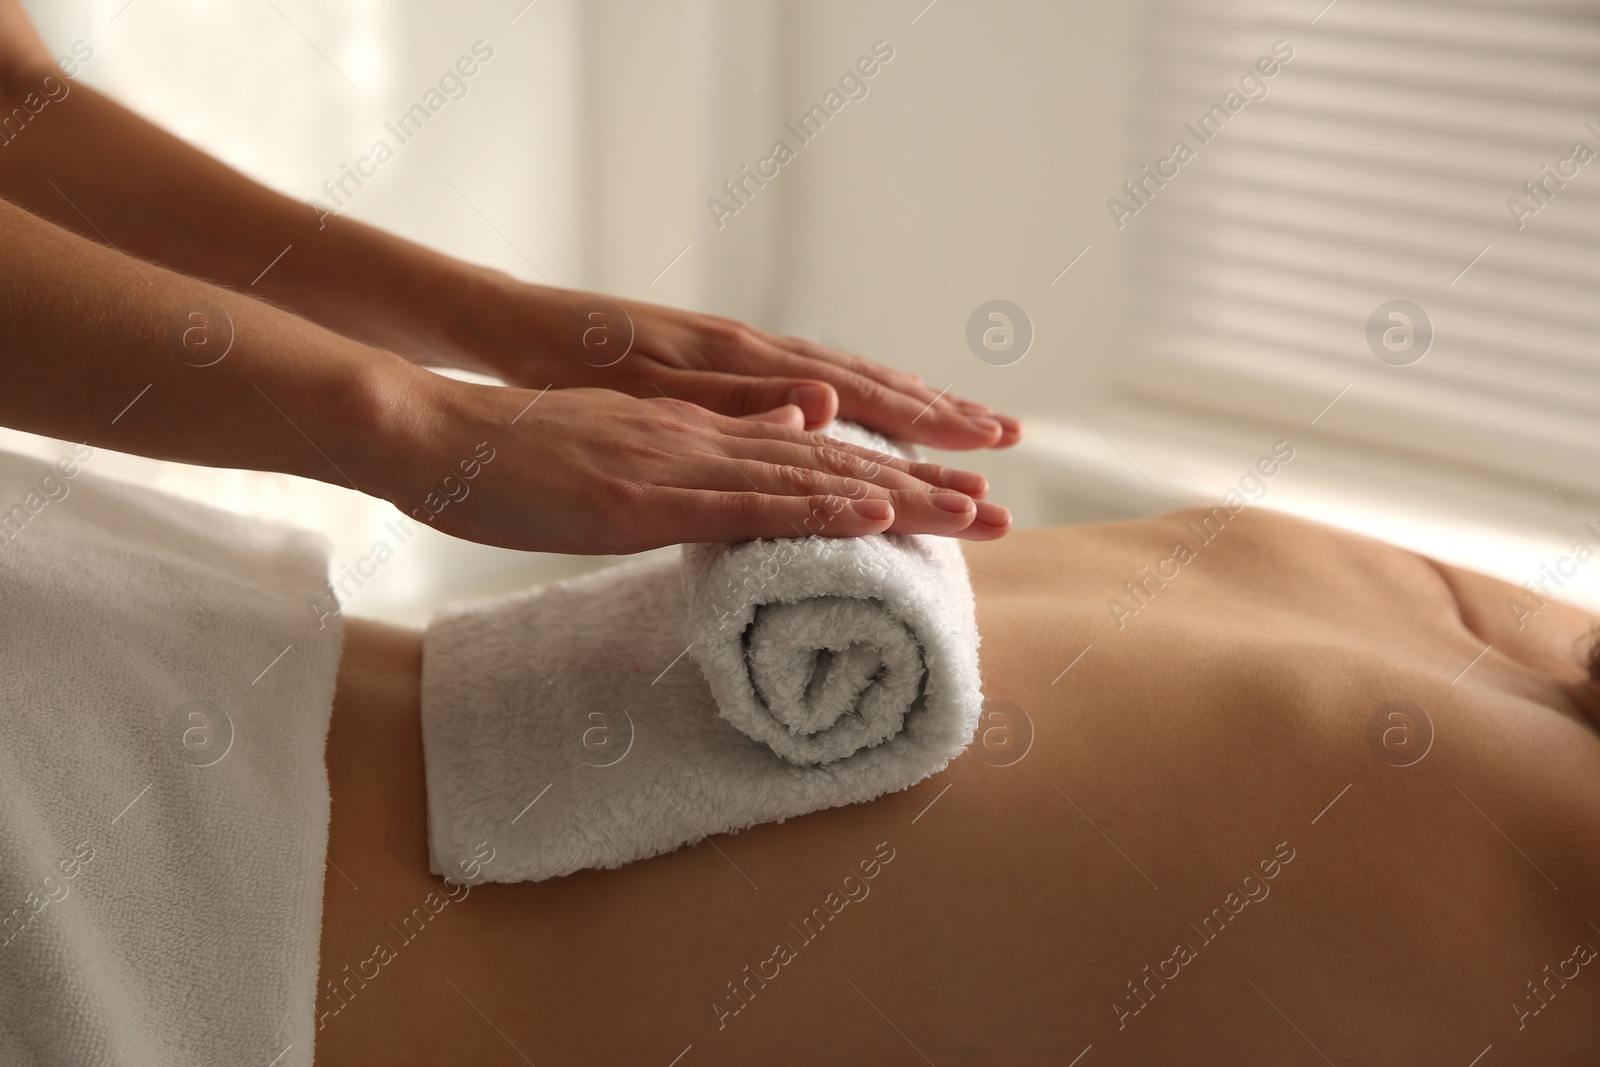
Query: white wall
[[594, 138], [585, 151], [290, 91], [989, 143], [978, 166], [263, 86]]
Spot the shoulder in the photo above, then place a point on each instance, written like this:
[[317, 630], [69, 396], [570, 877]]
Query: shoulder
[[1526, 623]]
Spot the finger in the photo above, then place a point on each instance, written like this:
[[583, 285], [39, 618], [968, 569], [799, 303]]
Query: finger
[[935, 421], [892, 377], [699, 515], [993, 522], [944, 425], [782, 445], [883, 398], [889, 376], [822, 453], [993, 514], [788, 415], [916, 509], [746, 394], [951, 421]]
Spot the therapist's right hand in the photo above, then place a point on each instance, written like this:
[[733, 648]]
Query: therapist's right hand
[[593, 471]]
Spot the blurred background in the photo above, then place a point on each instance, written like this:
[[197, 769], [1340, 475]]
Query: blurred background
[[1379, 241]]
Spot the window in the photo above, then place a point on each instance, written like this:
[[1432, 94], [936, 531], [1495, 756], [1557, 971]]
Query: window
[[1395, 233]]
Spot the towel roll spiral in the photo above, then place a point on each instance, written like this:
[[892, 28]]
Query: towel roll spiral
[[821, 648]]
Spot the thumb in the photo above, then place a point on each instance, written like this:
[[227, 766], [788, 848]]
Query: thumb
[[788, 415], [742, 394]]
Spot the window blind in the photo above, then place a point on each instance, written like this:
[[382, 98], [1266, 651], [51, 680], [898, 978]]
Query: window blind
[[1411, 168]]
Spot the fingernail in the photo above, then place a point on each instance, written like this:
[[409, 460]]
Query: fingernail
[[953, 502], [968, 482], [811, 399], [993, 514], [872, 510], [989, 426]]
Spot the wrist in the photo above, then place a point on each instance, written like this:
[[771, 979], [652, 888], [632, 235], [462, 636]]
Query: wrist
[[393, 294], [503, 326], [388, 416], [470, 316]]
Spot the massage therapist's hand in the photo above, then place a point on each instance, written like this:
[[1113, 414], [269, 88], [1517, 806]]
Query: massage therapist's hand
[[534, 336], [594, 471], [156, 198]]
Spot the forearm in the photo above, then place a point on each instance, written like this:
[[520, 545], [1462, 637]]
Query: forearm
[[100, 347], [92, 166]]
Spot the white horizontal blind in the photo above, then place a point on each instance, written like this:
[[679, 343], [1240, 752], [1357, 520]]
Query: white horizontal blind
[[1378, 165]]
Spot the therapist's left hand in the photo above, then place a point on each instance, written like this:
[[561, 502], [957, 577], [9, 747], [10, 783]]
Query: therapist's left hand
[[535, 336]]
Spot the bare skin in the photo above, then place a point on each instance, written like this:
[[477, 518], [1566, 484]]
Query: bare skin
[[130, 260], [1223, 728]]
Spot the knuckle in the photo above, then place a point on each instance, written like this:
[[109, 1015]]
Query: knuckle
[[872, 392], [832, 459], [650, 453], [802, 481], [735, 339], [635, 450], [624, 497], [649, 423], [671, 419], [870, 466], [745, 508], [856, 364], [746, 394], [839, 461], [691, 418]]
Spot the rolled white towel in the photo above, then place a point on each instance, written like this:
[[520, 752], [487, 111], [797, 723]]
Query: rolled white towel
[[822, 647], [566, 727]]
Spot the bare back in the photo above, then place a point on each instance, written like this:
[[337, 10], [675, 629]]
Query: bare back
[[1279, 805]]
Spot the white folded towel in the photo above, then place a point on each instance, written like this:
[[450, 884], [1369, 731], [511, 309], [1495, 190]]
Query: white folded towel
[[163, 799], [565, 726]]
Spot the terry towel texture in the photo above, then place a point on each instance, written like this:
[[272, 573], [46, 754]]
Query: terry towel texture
[[163, 802], [570, 727]]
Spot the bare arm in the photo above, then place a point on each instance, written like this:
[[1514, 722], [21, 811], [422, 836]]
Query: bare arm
[[88, 331], [155, 197], [158, 198], [98, 346]]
